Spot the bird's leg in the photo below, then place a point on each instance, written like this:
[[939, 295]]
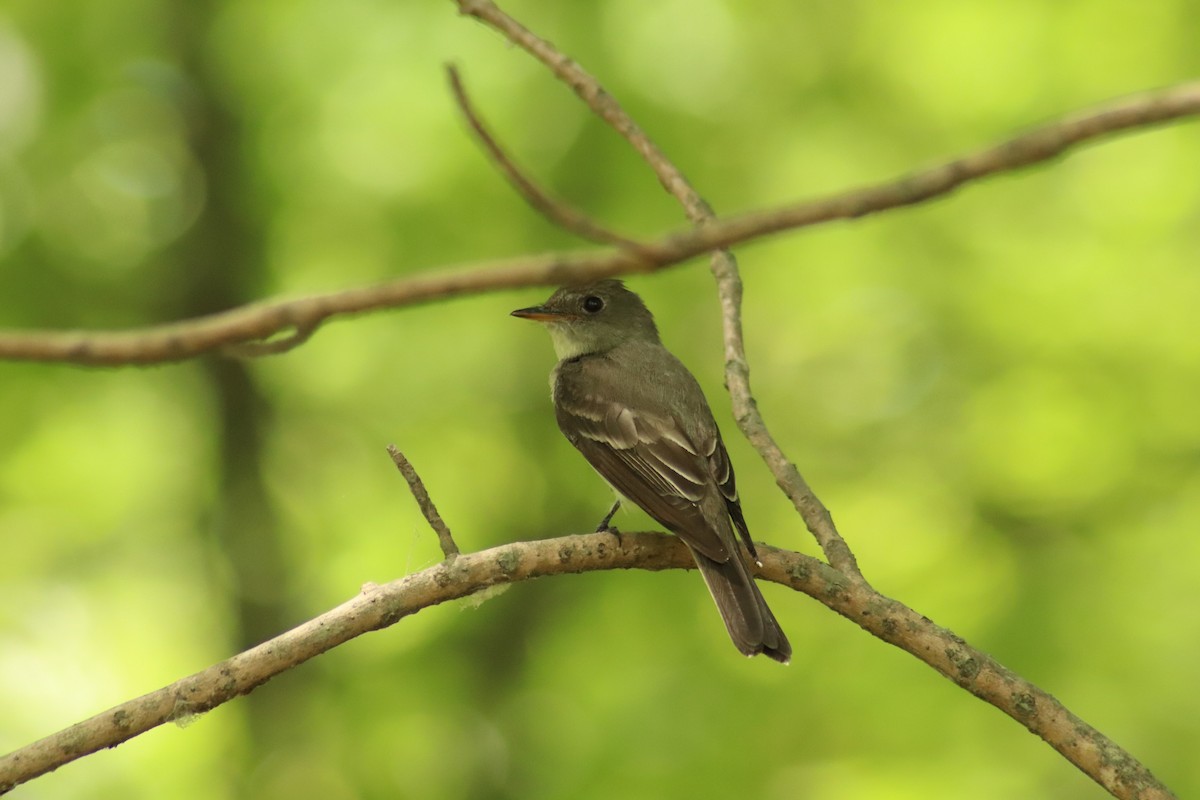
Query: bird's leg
[[604, 527]]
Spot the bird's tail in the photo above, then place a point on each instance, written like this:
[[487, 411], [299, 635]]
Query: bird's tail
[[747, 617]]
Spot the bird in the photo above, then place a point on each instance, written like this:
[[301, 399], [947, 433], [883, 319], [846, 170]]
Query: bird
[[641, 420]]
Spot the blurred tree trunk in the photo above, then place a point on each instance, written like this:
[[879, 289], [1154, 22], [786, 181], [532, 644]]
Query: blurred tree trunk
[[218, 264]]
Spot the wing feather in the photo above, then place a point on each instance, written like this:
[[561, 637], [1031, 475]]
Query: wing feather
[[649, 459], [722, 472]]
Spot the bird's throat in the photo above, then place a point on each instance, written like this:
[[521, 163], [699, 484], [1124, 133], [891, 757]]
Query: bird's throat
[[567, 344]]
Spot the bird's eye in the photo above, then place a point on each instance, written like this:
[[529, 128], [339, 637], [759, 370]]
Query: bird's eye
[[592, 304]]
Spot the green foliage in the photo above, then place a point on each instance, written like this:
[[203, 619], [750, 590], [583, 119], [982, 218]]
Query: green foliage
[[995, 393]]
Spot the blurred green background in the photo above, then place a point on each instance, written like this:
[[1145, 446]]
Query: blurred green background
[[997, 394]]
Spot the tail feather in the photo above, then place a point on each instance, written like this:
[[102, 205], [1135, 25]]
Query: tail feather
[[747, 617]]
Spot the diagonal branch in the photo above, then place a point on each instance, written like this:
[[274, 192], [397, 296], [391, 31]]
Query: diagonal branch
[[380, 606], [425, 502], [557, 212], [190, 338]]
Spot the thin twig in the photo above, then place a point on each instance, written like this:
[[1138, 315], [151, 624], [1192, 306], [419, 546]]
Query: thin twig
[[380, 606], [723, 265], [556, 211], [424, 502], [190, 338]]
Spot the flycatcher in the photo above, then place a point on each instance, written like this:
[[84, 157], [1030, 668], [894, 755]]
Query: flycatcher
[[641, 420]]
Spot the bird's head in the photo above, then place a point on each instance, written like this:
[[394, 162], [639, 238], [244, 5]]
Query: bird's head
[[593, 318]]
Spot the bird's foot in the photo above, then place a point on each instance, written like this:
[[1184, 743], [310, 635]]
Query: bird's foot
[[606, 527], [615, 533]]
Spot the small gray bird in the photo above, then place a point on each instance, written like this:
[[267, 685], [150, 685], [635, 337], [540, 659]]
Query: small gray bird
[[641, 420]]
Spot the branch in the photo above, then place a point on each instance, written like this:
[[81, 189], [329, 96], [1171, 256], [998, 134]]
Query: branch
[[374, 608], [258, 349], [190, 338], [724, 268], [557, 212], [424, 502], [378, 607], [1103, 760]]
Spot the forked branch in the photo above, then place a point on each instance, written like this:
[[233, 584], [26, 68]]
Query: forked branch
[[215, 332], [379, 606]]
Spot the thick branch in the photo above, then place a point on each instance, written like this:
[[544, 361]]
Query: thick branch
[[378, 607], [190, 338]]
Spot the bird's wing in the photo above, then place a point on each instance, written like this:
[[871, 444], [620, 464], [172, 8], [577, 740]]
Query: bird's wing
[[722, 471], [649, 459]]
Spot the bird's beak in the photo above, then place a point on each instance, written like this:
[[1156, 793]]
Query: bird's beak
[[539, 314]]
